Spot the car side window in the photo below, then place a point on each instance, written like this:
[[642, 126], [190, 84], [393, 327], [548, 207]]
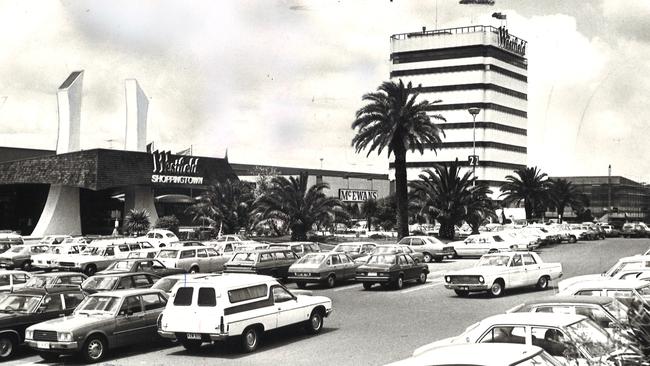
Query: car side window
[[416, 241], [152, 302], [4, 281], [201, 253], [72, 300], [549, 339], [212, 252], [188, 254], [75, 280], [336, 260], [131, 305], [588, 293], [19, 278], [281, 295], [207, 297], [134, 246], [266, 257], [109, 251], [280, 255], [497, 238], [620, 293], [141, 281], [401, 260], [505, 334], [52, 303], [595, 314], [169, 235], [123, 248], [125, 283], [516, 261], [529, 260], [158, 236], [409, 260], [344, 259]]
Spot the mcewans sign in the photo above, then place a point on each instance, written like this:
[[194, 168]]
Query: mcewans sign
[[356, 195], [174, 170]]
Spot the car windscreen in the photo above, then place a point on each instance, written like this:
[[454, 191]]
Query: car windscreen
[[312, 259], [17, 249], [93, 251], [348, 248], [383, 250], [40, 281], [18, 303], [121, 265], [166, 253], [382, 259], [100, 283], [165, 284], [40, 249], [593, 338], [102, 304], [493, 260]]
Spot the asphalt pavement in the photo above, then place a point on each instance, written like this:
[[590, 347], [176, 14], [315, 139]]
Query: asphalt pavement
[[378, 326]]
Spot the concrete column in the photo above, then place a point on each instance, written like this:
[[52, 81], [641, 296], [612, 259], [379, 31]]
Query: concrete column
[[137, 106], [140, 197], [61, 213], [69, 102]]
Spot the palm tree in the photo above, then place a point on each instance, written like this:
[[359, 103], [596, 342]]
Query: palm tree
[[369, 210], [563, 193], [529, 185], [393, 120], [227, 204], [450, 198], [290, 201], [137, 221]]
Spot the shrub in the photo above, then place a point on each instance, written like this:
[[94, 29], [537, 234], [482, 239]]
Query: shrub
[[170, 223]]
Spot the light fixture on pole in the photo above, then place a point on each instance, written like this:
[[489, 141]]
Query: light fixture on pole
[[473, 159]]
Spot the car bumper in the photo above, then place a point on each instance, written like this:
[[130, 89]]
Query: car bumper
[[467, 287], [374, 279], [307, 279], [53, 346], [205, 337]]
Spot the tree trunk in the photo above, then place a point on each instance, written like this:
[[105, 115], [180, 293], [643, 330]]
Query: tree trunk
[[401, 192], [446, 230], [369, 219], [298, 232], [528, 208]]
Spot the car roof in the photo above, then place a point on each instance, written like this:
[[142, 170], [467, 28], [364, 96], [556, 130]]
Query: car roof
[[269, 250], [191, 275], [635, 258], [548, 319], [610, 283], [56, 274], [184, 248], [48, 290], [233, 280], [128, 292], [486, 354], [124, 274], [13, 271], [571, 299]]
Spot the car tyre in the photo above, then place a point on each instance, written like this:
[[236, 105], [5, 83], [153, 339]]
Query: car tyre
[[572, 239], [315, 323], [427, 258], [542, 283], [192, 345], [194, 269], [301, 285], [90, 270], [423, 277], [438, 259], [399, 283], [461, 293], [94, 349], [496, 289], [331, 281], [367, 285], [26, 266], [455, 254], [250, 339], [8, 346], [49, 357]]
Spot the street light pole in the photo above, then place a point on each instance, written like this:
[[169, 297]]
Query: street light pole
[[474, 111]]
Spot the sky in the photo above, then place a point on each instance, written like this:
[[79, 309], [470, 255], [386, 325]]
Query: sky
[[278, 82]]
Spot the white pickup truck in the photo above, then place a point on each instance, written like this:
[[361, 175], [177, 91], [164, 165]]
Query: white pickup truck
[[499, 271]]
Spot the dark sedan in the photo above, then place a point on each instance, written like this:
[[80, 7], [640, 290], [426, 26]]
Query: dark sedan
[[141, 265], [56, 279], [27, 307], [391, 269], [118, 281]]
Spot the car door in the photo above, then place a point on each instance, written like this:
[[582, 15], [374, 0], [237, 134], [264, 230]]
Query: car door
[[71, 300], [153, 305], [349, 268], [287, 307], [130, 323], [413, 268], [205, 264], [532, 269], [50, 307], [516, 274]]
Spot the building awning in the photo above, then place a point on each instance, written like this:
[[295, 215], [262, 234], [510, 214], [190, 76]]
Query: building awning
[[175, 198]]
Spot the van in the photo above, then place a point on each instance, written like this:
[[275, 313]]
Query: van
[[216, 308]]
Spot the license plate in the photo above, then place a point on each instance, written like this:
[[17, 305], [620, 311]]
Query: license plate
[[372, 274], [44, 345], [193, 336]]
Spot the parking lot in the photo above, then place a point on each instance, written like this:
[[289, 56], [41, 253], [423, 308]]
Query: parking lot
[[379, 326]]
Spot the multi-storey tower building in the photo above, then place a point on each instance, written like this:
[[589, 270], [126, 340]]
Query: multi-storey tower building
[[482, 68]]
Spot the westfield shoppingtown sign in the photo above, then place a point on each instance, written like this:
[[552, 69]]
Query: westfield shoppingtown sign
[[177, 170], [356, 195]]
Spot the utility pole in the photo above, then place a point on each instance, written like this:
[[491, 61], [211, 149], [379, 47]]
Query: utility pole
[[473, 160]]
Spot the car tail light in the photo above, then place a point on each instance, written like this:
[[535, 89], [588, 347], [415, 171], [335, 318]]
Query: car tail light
[[221, 326], [159, 321]]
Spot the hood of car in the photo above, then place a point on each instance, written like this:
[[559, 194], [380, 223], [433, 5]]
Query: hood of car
[[7, 319], [478, 271], [73, 322], [564, 284], [443, 342], [10, 256]]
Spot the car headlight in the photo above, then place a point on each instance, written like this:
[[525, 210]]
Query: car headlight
[[29, 334], [447, 279], [64, 336], [481, 279]]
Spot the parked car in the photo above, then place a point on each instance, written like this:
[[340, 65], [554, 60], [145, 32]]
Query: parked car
[[161, 238], [141, 265], [9, 239], [193, 259], [391, 269], [100, 254], [477, 245], [551, 332], [20, 256], [299, 247], [53, 239], [101, 322], [13, 280], [496, 272], [430, 247], [45, 260], [270, 262], [392, 248], [625, 264], [26, 307], [187, 243], [56, 279], [625, 291], [609, 313], [482, 354], [355, 249], [167, 284], [325, 268], [635, 230], [144, 253], [566, 233], [247, 306], [118, 281]]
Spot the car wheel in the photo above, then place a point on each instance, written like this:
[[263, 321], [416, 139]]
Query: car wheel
[[250, 339], [455, 254], [542, 283], [496, 289], [90, 270], [367, 285], [94, 349], [493, 251], [194, 269], [572, 239], [399, 283], [191, 345], [7, 347], [438, 259], [301, 285], [315, 322], [427, 258], [49, 357], [423, 277], [26, 266], [461, 293], [331, 281]]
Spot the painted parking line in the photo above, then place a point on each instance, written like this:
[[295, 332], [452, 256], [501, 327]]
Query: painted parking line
[[348, 287], [423, 287]]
